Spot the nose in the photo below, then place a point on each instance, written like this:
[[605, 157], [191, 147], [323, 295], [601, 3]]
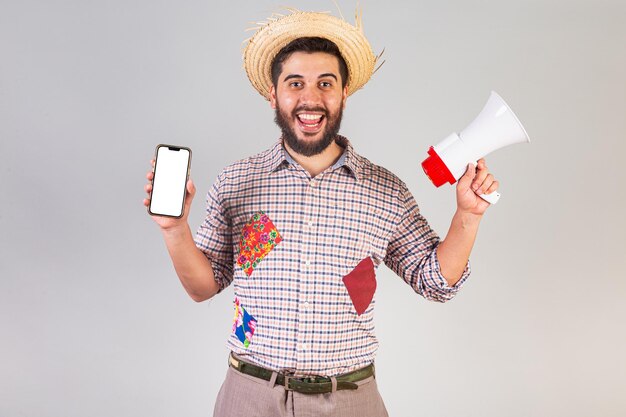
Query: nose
[[310, 96]]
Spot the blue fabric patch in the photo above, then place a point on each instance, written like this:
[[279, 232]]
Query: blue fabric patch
[[244, 324]]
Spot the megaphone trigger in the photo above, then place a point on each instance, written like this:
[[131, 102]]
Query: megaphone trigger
[[490, 198]]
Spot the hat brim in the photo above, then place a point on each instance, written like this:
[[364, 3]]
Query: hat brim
[[273, 36]]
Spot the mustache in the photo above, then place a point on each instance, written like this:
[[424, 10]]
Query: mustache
[[316, 109]]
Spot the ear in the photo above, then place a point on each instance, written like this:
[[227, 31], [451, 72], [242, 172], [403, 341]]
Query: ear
[[273, 97], [344, 96]]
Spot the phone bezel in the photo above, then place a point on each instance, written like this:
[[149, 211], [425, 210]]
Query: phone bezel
[[156, 154]]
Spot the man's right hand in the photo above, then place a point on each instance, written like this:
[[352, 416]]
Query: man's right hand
[[168, 223]]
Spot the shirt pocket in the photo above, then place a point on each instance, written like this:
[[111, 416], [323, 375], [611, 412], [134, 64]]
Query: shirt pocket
[[348, 235], [361, 229]]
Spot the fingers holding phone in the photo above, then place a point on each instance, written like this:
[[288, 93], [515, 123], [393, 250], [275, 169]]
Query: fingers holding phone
[[169, 222]]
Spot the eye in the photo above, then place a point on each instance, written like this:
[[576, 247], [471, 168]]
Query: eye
[[326, 84], [295, 84]]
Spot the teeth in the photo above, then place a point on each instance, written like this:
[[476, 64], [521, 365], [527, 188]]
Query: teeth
[[310, 116]]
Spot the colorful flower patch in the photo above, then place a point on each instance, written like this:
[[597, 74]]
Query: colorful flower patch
[[258, 238], [243, 324]]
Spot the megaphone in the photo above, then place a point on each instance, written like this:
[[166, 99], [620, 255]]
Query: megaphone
[[495, 127]]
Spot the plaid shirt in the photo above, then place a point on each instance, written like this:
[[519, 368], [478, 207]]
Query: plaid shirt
[[288, 241]]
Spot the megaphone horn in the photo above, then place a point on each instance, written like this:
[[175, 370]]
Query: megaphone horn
[[495, 127]]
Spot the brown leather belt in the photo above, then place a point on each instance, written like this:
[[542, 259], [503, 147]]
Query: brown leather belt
[[307, 384]]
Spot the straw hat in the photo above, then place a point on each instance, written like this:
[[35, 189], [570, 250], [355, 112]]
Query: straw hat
[[279, 30]]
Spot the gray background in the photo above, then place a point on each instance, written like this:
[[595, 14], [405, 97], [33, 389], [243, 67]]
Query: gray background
[[93, 320]]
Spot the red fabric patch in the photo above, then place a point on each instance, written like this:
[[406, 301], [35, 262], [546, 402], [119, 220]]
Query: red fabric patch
[[361, 285]]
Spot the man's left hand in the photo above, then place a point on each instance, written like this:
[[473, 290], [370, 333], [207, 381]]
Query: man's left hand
[[476, 180]]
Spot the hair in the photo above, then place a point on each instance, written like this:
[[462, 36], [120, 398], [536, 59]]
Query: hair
[[309, 45]]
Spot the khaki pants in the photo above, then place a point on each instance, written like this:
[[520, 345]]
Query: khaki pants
[[247, 396]]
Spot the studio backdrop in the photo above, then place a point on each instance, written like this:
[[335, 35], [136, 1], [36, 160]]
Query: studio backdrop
[[93, 319]]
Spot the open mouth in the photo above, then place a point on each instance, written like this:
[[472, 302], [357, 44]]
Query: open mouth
[[310, 122]]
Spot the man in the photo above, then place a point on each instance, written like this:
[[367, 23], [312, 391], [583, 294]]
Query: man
[[301, 228]]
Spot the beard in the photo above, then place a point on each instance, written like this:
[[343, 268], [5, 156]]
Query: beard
[[333, 123]]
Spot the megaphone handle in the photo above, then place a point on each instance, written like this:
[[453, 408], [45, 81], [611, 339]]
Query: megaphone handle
[[491, 198]]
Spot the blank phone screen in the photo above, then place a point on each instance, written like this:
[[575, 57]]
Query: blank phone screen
[[170, 177]]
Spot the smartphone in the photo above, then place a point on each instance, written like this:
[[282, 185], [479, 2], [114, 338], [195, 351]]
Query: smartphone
[[169, 185]]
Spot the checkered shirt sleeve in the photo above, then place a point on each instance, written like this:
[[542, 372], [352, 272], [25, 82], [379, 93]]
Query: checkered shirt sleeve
[[215, 236], [412, 254]]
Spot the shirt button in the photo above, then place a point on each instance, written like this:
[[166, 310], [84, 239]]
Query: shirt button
[[310, 223], [306, 304], [312, 183], [307, 262], [303, 346]]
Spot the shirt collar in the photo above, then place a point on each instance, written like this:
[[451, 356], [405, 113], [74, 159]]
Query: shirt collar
[[278, 156]]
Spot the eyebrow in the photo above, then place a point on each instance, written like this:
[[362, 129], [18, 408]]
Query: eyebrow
[[326, 74]]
